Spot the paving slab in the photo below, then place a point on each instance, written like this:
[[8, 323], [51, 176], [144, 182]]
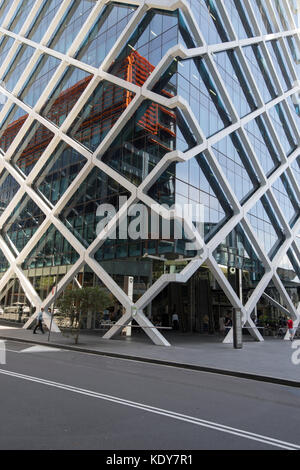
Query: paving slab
[[270, 360]]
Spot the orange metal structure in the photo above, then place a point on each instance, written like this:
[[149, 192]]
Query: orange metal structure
[[106, 111]]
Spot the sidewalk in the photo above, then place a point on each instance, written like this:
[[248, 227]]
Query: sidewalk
[[269, 361]]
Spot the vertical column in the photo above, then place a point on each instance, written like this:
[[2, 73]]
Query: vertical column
[[128, 288]]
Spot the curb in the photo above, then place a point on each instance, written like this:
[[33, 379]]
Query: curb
[[178, 365]]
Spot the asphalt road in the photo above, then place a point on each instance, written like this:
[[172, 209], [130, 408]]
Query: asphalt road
[[62, 400]]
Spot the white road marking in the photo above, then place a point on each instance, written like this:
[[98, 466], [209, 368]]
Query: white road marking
[[38, 348], [160, 411]]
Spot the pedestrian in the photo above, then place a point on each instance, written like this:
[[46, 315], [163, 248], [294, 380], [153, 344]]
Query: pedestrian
[[39, 319], [222, 325], [290, 326], [175, 320], [228, 323]]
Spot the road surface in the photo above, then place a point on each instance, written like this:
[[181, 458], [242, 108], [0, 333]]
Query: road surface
[[61, 400]]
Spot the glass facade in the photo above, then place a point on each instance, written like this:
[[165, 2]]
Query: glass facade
[[138, 111]]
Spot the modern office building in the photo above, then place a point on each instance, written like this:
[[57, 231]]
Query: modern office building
[[152, 148]]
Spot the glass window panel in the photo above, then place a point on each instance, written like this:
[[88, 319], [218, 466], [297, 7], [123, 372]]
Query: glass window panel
[[239, 18], [154, 36], [262, 16], [191, 80], [107, 29], [152, 132], [39, 79], [99, 115], [236, 166], [11, 125], [66, 94], [23, 223], [21, 15], [236, 82], [237, 251], [261, 72], [209, 20], [286, 198], [8, 188], [71, 24], [6, 43], [5, 7], [58, 173], [283, 129], [43, 19], [52, 249], [279, 62], [31, 147], [207, 192], [280, 11], [17, 66], [264, 148], [266, 226], [80, 215]]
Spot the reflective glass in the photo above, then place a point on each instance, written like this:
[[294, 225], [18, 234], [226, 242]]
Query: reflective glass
[[261, 72], [296, 169], [32, 147], [262, 16], [43, 19], [294, 104], [4, 9], [58, 173], [156, 34], [236, 82], [281, 14], [4, 264], [237, 167], [6, 43], [39, 79], [293, 45], [66, 94], [71, 23], [236, 251], [266, 226], [191, 80], [99, 114], [283, 130], [263, 145], [21, 15], [239, 18], [8, 188], [279, 62], [152, 132], [209, 20], [10, 126], [286, 199], [52, 249], [80, 215], [193, 182], [107, 29], [22, 224], [17, 66]]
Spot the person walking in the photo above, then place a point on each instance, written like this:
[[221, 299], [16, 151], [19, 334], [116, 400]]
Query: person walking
[[290, 326], [39, 319], [175, 320]]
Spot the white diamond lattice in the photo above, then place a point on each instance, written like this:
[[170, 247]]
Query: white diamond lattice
[[140, 193]]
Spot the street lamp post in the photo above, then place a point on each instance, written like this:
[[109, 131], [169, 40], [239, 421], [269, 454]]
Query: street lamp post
[[52, 313]]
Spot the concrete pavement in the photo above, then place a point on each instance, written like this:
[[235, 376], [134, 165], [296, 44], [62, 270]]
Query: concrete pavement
[[270, 361]]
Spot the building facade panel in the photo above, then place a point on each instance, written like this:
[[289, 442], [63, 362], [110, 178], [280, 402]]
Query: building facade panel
[[154, 143]]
